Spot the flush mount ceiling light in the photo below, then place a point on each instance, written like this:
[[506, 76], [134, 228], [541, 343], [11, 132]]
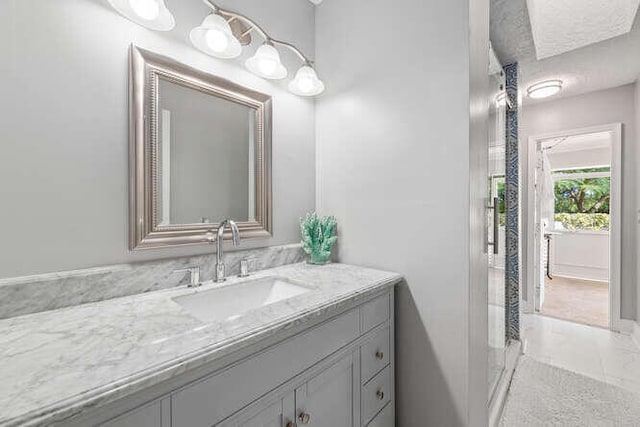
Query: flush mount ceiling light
[[223, 33], [152, 14], [214, 37], [544, 89], [266, 63]]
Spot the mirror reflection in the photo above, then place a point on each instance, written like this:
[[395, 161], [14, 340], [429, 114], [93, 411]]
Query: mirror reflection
[[206, 157]]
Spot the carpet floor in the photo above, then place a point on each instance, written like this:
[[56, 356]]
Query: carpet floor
[[543, 395]]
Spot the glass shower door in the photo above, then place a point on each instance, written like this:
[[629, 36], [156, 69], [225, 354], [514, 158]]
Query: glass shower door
[[496, 229]]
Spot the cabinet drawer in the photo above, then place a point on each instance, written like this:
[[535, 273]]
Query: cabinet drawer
[[374, 313], [147, 416], [376, 394], [374, 354], [386, 418], [214, 398]]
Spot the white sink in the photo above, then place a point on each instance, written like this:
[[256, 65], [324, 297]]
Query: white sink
[[231, 301]]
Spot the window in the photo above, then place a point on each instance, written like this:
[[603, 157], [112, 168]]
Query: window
[[582, 198]]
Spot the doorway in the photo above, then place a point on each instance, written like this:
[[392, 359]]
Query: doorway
[[574, 240]]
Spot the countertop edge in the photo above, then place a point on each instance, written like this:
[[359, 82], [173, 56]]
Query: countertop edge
[[77, 405]]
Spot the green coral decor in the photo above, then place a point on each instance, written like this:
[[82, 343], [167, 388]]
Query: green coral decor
[[318, 237]]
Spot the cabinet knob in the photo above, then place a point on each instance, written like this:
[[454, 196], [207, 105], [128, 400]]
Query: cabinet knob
[[304, 418], [380, 394], [291, 424], [379, 355]]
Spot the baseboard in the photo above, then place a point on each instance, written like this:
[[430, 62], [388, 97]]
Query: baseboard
[[578, 275], [635, 333], [496, 406], [624, 326], [527, 307]]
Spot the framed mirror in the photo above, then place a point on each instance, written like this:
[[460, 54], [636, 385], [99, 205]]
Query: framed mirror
[[200, 152]]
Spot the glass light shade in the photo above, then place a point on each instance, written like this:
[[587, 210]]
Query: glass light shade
[[306, 82], [214, 37], [145, 9], [152, 14], [544, 89], [266, 63]]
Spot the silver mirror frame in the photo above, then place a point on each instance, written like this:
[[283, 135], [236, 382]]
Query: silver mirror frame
[[146, 68]]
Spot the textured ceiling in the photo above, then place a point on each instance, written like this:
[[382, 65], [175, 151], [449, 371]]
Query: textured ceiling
[[603, 65], [562, 26]]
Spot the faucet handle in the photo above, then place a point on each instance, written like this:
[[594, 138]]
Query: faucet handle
[[210, 237], [194, 274], [244, 268]]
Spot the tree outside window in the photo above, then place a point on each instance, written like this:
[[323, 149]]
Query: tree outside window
[[582, 203]]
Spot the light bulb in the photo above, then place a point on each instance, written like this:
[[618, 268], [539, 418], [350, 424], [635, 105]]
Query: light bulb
[[267, 65], [306, 82], [145, 9], [152, 14], [216, 40], [214, 37]]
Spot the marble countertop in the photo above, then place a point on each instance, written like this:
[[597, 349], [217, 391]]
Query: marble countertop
[[57, 363]]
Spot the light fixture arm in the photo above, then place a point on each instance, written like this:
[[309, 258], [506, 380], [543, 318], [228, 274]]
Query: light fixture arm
[[255, 27]]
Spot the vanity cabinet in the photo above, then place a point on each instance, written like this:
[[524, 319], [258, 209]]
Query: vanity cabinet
[[323, 400], [338, 373]]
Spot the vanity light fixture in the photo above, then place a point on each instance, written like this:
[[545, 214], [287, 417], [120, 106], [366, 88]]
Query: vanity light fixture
[[266, 63], [152, 14], [214, 37], [227, 40], [306, 82], [544, 89]]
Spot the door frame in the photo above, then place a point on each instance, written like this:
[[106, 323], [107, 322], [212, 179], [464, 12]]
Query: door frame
[[615, 321]]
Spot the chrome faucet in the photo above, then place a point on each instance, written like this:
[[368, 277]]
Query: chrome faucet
[[220, 276]]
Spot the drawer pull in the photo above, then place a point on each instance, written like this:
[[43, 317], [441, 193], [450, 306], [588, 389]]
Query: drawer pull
[[380, 395], [291, 424], [379, 355], [304, 418]]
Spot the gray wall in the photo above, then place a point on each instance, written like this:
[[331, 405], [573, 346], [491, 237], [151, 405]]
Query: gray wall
[[63, 167], [393, 165], [637, 185], [596, 108]]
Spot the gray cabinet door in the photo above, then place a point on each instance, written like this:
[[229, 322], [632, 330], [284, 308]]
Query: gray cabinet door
[[327, 400], [385, 418], [270, 412]]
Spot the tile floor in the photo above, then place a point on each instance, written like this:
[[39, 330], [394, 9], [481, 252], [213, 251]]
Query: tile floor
[[591, 351], [577, 300], [496, 325]]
